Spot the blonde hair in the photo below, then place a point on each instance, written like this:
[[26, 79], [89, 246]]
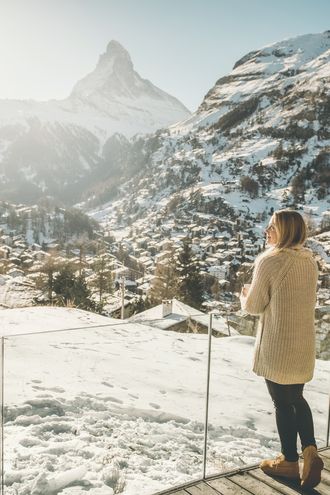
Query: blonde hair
[[290, 228]]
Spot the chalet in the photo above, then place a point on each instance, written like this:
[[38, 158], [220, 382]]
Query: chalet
[[119, 273], [15, 260], [146, 262], [221, 272], [15, 272], [176, 316], [165, 245], [142, 242], [7, 240], [164, 255], [36, 247], [4, 252], [40, 255]]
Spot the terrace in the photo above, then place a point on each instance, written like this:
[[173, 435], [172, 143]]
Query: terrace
[[103, 406]]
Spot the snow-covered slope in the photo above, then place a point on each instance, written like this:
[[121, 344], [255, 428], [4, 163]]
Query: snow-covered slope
[[45, 145], [121, 408], [259, 140]]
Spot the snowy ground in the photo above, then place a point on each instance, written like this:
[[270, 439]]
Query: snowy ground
[[120, 409], [16, 292]]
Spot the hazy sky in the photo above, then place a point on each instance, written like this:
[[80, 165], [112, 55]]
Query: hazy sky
[[182, 46]]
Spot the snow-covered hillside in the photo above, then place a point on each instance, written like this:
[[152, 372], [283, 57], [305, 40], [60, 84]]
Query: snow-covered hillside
[[47, 145], [120, 408], [259, 140]]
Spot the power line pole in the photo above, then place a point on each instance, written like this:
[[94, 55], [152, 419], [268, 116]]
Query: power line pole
[[122, 285]]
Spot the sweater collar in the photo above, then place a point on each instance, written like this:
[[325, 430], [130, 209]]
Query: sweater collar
[[299, 252]]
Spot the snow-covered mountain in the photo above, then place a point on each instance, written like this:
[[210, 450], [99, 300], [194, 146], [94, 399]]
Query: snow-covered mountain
[[259, 140], [45, 146]]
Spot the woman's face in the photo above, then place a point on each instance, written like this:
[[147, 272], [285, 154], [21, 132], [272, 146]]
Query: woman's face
[[270, 231]]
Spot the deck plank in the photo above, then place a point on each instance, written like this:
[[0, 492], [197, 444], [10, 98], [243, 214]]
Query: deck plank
[[325, 453], [179, 492], [326, 461], [273, 482], [227, 487], [256, 487], [321, 489], [255, 482], [202, 488], [326, 477]]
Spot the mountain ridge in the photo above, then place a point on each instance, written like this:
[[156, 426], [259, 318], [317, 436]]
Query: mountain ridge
[[42, 140], [260, 140]]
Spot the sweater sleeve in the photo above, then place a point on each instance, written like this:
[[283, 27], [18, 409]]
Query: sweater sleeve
[[258, 295]]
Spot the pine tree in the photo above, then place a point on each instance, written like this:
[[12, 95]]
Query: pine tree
[[103, 279], [298, 187], [190, 286], [82, 294], [141, 304], [72, 289], [64, 284], [165, 283], [49, 268], [81, 243]]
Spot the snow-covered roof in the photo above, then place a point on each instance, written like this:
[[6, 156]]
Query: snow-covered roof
[[180, 313]]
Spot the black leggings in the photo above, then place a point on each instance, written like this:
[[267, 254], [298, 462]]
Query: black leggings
[[293, 416]]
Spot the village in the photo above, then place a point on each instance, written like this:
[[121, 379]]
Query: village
[[124, 274]]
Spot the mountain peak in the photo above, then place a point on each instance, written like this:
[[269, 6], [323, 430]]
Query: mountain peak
[[297, 50], [114, 83], [115, 48], [115, 55], [111, 75], [116, 91]]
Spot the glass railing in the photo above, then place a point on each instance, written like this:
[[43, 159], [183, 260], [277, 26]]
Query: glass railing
[[112, 409], [133, 409], [241, 418]]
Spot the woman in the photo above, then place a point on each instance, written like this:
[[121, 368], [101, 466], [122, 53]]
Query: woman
[[283, 293]]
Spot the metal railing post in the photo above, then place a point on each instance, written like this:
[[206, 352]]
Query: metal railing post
[[207, 395], [2, 369], [328, 427]]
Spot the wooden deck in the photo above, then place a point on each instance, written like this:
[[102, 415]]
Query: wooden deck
[[253, 481]]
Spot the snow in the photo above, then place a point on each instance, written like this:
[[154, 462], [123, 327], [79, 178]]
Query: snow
[[111, 99], [120, 408], [180, 312], [47, 318], [305, 57]]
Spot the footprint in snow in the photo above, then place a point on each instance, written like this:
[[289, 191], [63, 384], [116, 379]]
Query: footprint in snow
[[133, 396], [155, 406], [114, 399], [107, 384], [56, 389]]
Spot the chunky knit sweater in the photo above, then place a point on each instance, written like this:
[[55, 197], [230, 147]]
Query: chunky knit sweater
[[283, 293]]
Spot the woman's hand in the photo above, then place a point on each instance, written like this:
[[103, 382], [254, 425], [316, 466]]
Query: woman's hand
[[245, 290]]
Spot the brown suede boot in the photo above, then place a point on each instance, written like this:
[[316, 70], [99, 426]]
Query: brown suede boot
[[281, 467], [313, 465]]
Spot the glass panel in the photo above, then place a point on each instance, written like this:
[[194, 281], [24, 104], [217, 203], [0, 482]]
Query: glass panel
[[99, 410], [316, 393], [242, 428], [2, 346]]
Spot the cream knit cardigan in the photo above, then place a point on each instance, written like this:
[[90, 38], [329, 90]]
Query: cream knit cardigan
[[283, 293]]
